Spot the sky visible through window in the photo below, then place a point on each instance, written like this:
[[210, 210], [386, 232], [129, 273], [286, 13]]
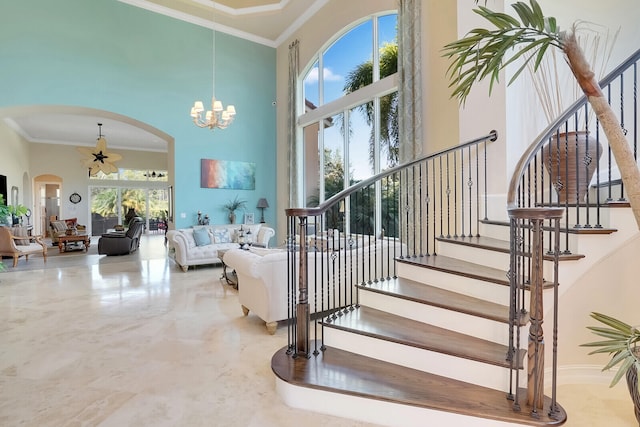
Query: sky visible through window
[[352, 49]]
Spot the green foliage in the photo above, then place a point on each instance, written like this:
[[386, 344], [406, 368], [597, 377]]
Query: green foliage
[[104, 201], [234, 204], [4, 210], [362, 76], [8, 212], [620, 343], [484, 53], [362, 207], [18, 210]]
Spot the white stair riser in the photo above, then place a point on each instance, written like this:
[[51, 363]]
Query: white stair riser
[[468, 324], [424, 360], [487, 257], [374, 411], [495, 231], [473, 287]]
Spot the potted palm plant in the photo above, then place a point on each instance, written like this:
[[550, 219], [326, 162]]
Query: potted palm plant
[[622, 344], [485, 52], [232, 205]]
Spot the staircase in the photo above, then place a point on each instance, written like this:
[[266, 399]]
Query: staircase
[[432, 344], [448, 329]]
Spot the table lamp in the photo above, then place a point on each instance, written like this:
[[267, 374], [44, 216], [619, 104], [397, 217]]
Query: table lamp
[[262, 204]]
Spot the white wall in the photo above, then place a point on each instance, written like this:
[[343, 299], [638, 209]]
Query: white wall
[[525, 120], [14, 162], [66, 162]]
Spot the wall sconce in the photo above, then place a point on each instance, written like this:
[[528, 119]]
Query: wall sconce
[[262, 204]]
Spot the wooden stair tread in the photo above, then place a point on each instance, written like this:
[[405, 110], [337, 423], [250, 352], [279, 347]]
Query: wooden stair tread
[[570, 230], [443, 298], [378, 324], [462, 268], [340, 371], [497, 245]]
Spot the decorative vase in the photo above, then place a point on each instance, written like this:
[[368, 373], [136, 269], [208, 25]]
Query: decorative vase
[[232, 217], [571, 159], [632, 384]]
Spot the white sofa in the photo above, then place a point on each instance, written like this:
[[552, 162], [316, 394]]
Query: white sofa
[[262, 276], [185, 252]]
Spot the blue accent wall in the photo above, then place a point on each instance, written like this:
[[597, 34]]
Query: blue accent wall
[[111, 56]]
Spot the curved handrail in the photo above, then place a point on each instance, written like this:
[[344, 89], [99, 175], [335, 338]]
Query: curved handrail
[[533, 149], [327, 204]]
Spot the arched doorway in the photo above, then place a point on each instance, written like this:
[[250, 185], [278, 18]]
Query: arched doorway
[[47, 190]]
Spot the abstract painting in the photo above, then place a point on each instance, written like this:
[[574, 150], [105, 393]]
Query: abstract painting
[[227, 174]]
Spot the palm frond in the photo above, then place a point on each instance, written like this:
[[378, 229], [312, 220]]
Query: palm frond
[[621, 344], [484, 53]]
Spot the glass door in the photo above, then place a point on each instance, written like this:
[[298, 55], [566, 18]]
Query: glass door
[[105, 209]]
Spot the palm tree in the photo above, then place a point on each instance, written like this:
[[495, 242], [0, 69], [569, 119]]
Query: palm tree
[[484, 53], [361, 76]]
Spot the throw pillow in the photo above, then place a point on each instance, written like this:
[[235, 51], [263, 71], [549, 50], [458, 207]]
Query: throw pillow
[[221, 235], [20, 232], [59, 226], [71, 222], [201, 236]]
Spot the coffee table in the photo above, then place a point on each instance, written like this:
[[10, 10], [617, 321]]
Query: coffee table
[[63, 241]]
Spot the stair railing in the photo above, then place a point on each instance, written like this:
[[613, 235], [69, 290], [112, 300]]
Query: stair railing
[[354, 238], [568, 171]]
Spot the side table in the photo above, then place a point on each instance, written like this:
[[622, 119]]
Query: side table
[[229, 276]]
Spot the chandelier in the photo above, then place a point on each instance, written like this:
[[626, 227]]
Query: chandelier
[[217, 117]]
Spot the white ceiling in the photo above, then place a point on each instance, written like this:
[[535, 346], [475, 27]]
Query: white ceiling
[[267, 22]]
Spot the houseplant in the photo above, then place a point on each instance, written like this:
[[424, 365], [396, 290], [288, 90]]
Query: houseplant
[[17, 211], [622, 344], [484, 53], [231, 207], [5, 213]]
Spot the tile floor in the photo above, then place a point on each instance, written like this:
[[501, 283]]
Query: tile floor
[[133, 341]]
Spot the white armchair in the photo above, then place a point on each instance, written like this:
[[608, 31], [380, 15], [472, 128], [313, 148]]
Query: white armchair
[[262, 276]]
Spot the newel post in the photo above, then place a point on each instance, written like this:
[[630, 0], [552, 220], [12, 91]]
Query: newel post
[[533, 219], [302, 303]]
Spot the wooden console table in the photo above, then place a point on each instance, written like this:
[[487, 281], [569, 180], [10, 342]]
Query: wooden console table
[[66, 239]]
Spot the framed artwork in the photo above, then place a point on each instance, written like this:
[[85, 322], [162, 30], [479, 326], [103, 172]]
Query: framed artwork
[[248, 218], [227, 174]]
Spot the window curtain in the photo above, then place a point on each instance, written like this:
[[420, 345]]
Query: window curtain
[[291, 123], [410, 111], [410, 76]]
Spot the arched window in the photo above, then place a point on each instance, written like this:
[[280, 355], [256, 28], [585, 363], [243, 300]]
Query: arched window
[[349, 120]]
